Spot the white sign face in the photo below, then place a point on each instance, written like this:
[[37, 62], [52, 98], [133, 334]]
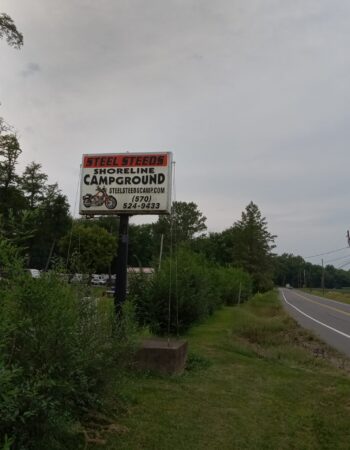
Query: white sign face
[[126, 183]]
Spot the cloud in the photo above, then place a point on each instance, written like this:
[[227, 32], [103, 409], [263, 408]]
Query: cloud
[[30, 69], [252, 97]]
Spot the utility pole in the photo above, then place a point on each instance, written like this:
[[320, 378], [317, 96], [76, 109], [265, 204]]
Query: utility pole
[[322, 282], [161, 251], [310, 280], [304, 278]]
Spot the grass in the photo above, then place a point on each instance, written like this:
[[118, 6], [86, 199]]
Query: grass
[[255, 380], [341, 295]]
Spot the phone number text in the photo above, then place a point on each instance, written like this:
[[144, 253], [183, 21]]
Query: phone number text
[[141, 205]]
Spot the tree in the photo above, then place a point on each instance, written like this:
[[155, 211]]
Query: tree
[[11, 199], [10, 196], [142, 245], [9, 145], [109, 223], [216, 247], [252, 246], [32, 183], [8, 30], [19, 229], [289, 269], [184, 224], [52, 223], [5, 127], [89, 248], [9, 153], [141, 249]]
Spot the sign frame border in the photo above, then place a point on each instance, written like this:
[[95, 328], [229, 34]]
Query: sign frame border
[[130, 213]]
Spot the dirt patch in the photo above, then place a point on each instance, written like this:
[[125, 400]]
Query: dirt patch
[[265, 343], [97, 427]]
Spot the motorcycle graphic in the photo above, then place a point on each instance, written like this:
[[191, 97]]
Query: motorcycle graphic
[[101, 197]]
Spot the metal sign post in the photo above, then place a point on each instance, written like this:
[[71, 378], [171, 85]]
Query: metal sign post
[[121, 278]]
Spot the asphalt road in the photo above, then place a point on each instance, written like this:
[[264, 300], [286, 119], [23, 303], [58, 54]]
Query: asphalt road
[[328, 319]]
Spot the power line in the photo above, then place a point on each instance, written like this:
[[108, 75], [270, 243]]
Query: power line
[[343, 265], [326, 253], [336, 259]]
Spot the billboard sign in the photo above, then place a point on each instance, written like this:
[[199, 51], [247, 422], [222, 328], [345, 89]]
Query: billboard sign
[[126, 183]]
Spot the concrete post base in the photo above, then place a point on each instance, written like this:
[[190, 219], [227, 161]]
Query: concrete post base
[[159, 355]]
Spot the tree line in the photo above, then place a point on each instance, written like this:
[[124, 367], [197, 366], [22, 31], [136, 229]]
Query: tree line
[[35, 218], [295, 271]]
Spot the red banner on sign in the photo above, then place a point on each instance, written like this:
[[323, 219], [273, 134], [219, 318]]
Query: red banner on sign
[[126, 160]]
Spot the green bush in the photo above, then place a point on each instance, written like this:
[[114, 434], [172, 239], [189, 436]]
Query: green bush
[[235, 285], [56, 347], [197, 289]]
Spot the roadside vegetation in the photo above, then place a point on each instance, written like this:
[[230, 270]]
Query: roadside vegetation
[[61, 345], [341, 295], [58, 346], [255, 380], [185, 291]]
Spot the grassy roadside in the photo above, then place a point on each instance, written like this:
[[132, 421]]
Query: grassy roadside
[[333, 294], [255, 381]]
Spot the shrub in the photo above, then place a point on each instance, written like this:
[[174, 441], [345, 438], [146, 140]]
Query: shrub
[[235, 285], [190, 294], [197, 289], [56, 347]]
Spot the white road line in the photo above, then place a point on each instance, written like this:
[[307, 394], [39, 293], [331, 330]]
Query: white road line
[[315, 320]]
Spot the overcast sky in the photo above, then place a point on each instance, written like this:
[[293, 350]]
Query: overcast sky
[[252, 96]]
